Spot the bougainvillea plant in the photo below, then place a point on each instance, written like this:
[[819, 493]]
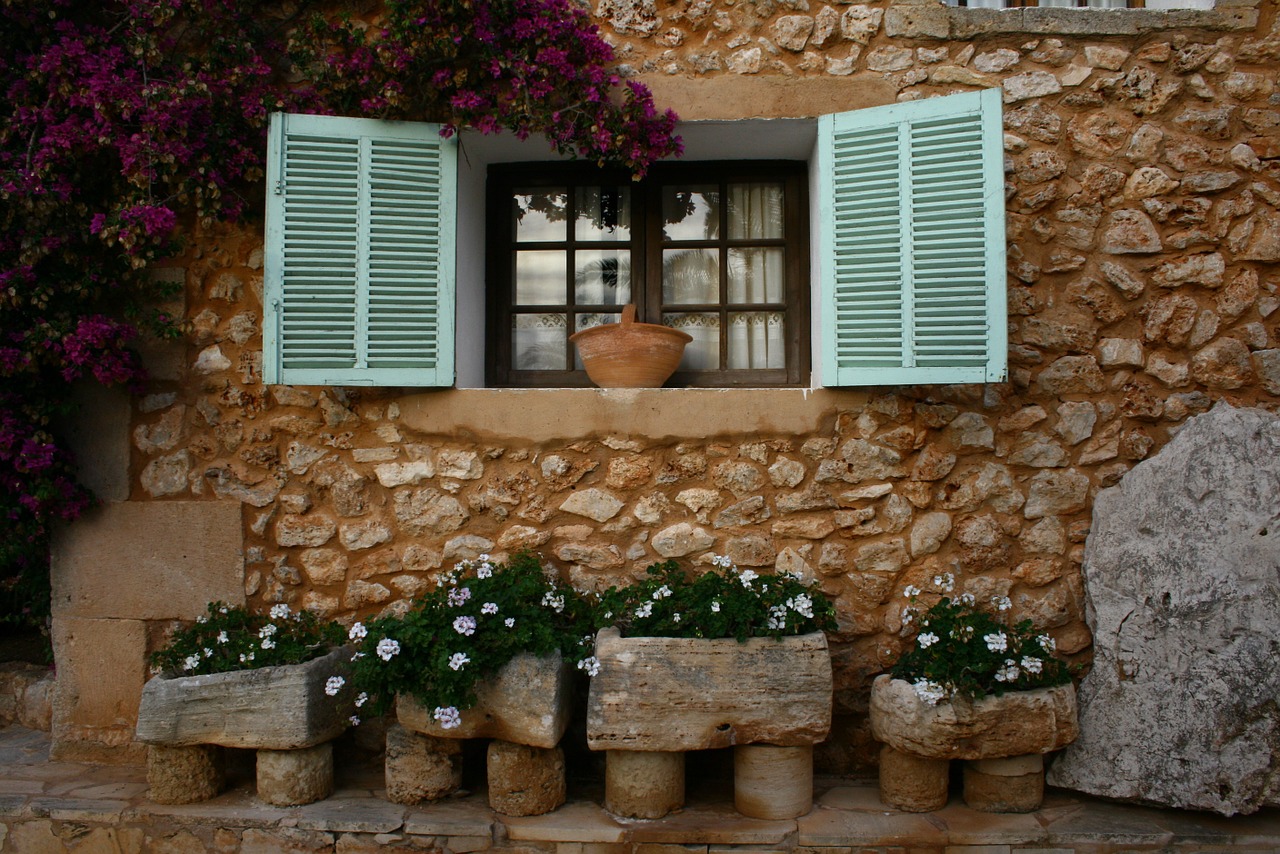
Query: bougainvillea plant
[[120, 119]]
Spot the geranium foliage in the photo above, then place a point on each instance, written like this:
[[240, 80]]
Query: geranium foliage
[[121, 119]]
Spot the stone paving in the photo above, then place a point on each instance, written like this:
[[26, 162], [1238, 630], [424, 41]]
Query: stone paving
[[50, 806]]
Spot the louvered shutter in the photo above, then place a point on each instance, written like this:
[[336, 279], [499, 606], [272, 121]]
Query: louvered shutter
[[913, 243], [359, 267]]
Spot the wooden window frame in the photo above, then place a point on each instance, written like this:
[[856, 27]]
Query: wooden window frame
[[647, 245]]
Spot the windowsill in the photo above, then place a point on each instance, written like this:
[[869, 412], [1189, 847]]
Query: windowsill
[[543, 415], [907, 19]]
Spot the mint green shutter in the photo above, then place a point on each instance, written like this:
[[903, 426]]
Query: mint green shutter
[[359, 267], [913, 243]]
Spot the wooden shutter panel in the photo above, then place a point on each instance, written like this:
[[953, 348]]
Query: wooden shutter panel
[[359, 268], [913, 243]]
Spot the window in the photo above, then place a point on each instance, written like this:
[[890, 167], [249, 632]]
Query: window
[[907, 234], [718, 250]]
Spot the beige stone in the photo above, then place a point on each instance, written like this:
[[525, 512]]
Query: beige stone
[[184, 775], [643, 784], [294, 777], [93, 717], [421, 767], [912, 783], [1005, 785], [772, 782], [525, 780]]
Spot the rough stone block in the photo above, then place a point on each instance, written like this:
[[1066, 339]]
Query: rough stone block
[[525, 780], [420, 767], [184, 775], [912, 783], [140, 560], [773, 782], [1005, 785], [673, 694], [292, 777], [278, 708], [643, 784], [526, 702], [101, 669]]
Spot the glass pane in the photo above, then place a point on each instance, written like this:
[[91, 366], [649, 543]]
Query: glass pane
[[755, 275], [691, 213], [540, 214], [586, 321], [540, 277], [703, 352], [538, 342], [755, 340], [690, 276], [602, 277], [755, 211], [604, 213]]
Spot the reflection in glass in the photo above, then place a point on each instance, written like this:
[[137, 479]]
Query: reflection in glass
[[756, 340], [604, 213], [540, 214], [540, 277], [586, 321], [602, 277], [538, 342], [690, 213], [703, 352], [755, 211], [755, 275], [690, 276]]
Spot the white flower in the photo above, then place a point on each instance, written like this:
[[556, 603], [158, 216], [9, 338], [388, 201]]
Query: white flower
[[661, 593], [489, 608], [589, 665], [553, 601], [747, 576], [465, 626], [509, 622], [204, 619], [361, 699], [997, 641], [448, 716], [967, 599], [458, 660], [334, 685], [1008, 673], [946, 582], [1002, 603], [222, 637], [722, 561], [675, 618], [458, 596], [357, 632], [912, 591], [191, 662], [357, 656], [927, 640], [279, 612], [929, 692], [715, 606], [962, 633], [644, 610], [908, 616], [267, 631], [387, 647], [777, 617], [243, 659], [208, 653], [353, 720], [1032, 665], [1047, 643], [484, 570], [802, 605], [268, 643]]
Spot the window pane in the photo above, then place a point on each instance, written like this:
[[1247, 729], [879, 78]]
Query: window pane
[[540, 214], [538, 342], [703, 352], [756, 340], [690, 213], [586, 321], [755, 275], [755, 211], [540, 277], [604, 213], [602, 277], [690, 276]]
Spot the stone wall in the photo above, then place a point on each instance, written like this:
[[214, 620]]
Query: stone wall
[[1143, 184]]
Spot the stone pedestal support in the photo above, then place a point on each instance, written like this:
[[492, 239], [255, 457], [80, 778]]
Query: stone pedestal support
[[421, 767], [525, 780], [1015, 784], [293, 777], [912, 783], [643, 784], [184, 775], [773, 782]]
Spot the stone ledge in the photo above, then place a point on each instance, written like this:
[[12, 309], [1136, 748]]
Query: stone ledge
[[946, 22]]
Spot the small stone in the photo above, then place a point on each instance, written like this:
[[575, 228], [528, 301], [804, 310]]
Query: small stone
[[859, 23], [748, 61], [525, 780], [786, 472], [1046, 536], [1169, 319], [1110, 58], [750, 511], [889, 556], [791, 32], [933, 463], [1030, 84], [421, 767], [184, 775], [459, 464], [364, 535], [168, 475], [700, 501], [681, 539], [399, 474], [1130, 232], [1172, 373], [912, 783], [361, 594], [1148, 181], [751, 550], [295, 777], [426, 510], [1071, 375], [740, 478], [969, 431], [324, 566], [1055, 493], [929, 533], [1075, 421], [1120, 352], [996, 61], [886, 59], [594, 504], [1224, 364], [1122, 280], [466, 547]]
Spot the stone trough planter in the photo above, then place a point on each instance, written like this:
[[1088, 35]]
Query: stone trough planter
[[524, 708], [1003, 740], [656, 698], [281, 712]]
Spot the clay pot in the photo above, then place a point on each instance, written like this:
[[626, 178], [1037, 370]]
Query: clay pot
[[630, 354]]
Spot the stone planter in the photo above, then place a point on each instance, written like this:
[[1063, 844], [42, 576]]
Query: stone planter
[[524, 708], [655, 698], [282, 712], [1003, 738]]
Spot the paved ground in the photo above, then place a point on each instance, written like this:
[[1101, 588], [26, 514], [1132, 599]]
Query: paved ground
[[48, 806]]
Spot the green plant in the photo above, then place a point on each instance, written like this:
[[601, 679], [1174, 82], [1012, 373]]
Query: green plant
[[229, 638], [724, 602], [961, 651], [480, 615]]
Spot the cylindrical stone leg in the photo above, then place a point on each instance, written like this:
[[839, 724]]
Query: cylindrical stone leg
[[642, 784], [912, 783], [421, 767], [292, 777], [525, 780], [771, 781], [1015, 784], [184, 775]]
